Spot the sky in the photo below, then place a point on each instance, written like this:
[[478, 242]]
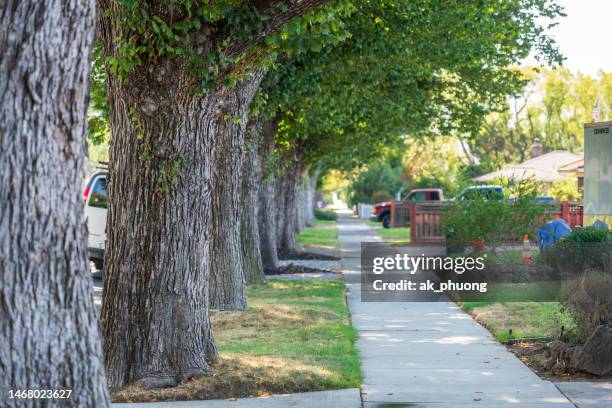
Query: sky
[[584, 35]]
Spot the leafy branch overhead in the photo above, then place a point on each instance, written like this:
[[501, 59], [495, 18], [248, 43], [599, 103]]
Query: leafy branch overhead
[[347, 78], [220, 39], [425, 67], [98, 127]]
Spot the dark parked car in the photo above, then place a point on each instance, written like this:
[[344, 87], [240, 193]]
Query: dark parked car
[[485, 192]]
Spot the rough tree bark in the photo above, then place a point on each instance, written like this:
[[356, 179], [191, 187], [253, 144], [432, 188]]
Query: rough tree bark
[[268, 200], [300, 214], [49, 337], [289, 190], [155, 316], [251, 181], [226, 257], [309, 203], [280, 189]]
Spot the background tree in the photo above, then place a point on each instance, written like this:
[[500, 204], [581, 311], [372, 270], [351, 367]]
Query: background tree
[[250, 237], [552, 109], [568, 101], [380, 177], [435, 163], [48, 328], [506, 136]]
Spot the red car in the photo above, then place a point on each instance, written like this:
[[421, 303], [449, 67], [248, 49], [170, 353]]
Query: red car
[[382, 212]]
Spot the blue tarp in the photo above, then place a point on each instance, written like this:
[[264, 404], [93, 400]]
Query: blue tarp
[[552, 232]]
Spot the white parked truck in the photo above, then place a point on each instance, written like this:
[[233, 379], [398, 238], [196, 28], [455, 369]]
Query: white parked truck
[[96, 200]]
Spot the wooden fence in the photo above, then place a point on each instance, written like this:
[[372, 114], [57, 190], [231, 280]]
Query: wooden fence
[[426, 223], [425, 219], [572, 213], [400, 214]]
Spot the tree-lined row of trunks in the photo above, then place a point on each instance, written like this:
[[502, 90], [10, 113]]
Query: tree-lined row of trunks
[[173, 253], [195, 211]]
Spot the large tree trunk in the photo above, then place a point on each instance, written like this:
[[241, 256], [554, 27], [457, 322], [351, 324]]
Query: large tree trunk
[[268, 200], [290, 185], [280, 191], [300, 214], [155, 316], [49, 336], [309, 203], [251, 181], [226, 258]]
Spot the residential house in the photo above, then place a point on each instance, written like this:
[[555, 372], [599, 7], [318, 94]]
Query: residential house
[[545, 168]]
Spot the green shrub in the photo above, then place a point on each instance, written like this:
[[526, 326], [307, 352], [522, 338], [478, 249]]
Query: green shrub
[[472, 220], [492, 221], [495, 221], [588, 300], [587, 234], [586, 252], [587, 248], [325, 215], [566, 190], [381, 196]]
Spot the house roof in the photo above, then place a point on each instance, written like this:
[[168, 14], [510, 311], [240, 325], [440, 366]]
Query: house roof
[[543, 168], [577, 165]]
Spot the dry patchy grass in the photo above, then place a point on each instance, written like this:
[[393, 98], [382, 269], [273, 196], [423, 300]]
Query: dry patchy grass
[[526, 319], [295, 337]]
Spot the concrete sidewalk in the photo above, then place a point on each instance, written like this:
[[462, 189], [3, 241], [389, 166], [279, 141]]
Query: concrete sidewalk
[[587, 394], [432, 354]]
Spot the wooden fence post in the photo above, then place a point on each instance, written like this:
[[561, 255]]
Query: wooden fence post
[[565, 212], [413, 221]]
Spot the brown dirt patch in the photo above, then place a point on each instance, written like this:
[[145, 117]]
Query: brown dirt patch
[[533, 353]]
